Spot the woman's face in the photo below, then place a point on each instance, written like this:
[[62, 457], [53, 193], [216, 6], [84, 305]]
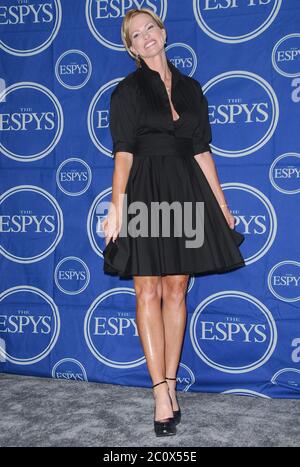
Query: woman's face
[[147, 38]]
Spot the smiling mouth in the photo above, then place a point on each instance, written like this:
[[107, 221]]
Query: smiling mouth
[[150, 45]]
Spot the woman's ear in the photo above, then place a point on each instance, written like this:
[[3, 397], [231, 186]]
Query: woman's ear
[[165, 35], [132, 50]]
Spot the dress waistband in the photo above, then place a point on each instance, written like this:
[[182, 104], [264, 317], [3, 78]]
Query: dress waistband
[[157, 144]]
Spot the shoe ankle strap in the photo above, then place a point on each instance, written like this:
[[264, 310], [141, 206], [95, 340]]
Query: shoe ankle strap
[[174, 379], [164, 381]]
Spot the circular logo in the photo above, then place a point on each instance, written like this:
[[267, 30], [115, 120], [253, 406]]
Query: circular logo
[[283, 281], [31, 224], [229, 340], [72, 276], [183, 57], [39, 21], [288, 378], [110, 334], [73, 69], [32, 121], [98, 116], [69, 369], [257, 220], [104, 21], [31, 321], [284, 173], [74, 176], [185, 378], [286, 56], [97, 213], [229, 21], [245, 106]]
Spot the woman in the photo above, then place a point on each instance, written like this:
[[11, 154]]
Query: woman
[[161, 134]]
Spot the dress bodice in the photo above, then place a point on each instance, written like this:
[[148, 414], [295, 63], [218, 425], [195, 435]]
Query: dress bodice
[[140, 108]]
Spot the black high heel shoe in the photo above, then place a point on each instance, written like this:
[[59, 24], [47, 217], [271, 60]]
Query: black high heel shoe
[[167, 426], [177, 413]]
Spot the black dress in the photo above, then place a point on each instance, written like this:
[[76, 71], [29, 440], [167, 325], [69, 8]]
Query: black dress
[[164, 169]]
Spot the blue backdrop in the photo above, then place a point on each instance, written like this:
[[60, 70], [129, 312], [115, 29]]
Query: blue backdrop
[[60, 315]]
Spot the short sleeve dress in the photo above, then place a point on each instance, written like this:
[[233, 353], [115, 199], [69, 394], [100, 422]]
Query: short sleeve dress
[[186, 231]]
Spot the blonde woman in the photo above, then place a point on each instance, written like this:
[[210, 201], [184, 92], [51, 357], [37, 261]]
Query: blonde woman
[[161, 134]]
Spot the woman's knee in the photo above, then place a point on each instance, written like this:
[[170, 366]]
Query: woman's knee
[[148, 288], [174, 287]]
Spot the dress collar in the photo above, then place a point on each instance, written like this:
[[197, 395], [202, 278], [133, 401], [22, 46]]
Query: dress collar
[[176, 74]]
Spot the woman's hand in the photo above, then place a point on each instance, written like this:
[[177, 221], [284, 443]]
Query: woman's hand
[[228, 216], [111, 226]]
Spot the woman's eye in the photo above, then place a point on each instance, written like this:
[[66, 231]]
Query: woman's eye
[[136, 34]]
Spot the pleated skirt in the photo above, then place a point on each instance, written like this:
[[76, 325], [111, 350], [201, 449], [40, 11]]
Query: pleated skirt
[[158, 178]]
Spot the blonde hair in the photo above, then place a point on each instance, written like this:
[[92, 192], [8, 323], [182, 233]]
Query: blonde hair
[[125, 29]]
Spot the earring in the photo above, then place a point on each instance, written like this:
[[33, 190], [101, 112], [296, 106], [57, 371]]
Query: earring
[[138, 60]]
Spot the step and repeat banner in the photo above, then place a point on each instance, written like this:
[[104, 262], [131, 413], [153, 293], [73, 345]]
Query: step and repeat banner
[[60, 315]]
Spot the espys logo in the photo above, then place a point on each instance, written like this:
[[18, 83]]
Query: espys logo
[[70, 369], [288, 378], [40, 21], [286, 56], [31, 224], [255, 218], [73, 69], [30, 324], [31, 121], [185, 378], [73, 176], [98, 116], [183, 57], [235, 21], [104, 18], [245, 106], [72, 276], [233, 332], [284, 173], [112, 335], [284, 281], [95, 219]]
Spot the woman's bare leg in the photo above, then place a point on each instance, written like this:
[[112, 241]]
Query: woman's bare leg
[[174, 289], [150, 326]]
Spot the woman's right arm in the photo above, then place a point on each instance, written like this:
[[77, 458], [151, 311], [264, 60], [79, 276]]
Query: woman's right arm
[[123, 127], [112, 224]]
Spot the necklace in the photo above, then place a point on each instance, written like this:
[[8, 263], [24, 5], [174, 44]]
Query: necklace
[[167, 87]]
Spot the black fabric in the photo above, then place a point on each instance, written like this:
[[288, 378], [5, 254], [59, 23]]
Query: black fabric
[[164, 169]]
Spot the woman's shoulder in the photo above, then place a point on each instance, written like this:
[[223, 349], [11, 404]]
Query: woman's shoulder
[[127, 86], [194, 83]]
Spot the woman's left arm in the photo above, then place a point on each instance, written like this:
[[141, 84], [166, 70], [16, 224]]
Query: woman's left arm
[[207, 165]]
